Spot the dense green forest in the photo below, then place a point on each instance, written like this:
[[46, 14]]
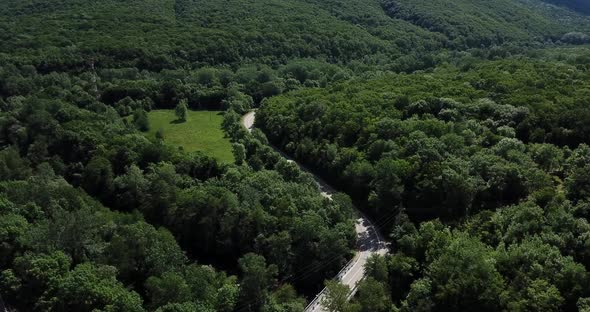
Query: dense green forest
[[472, 23], [461, 127], [463, 106], [576, 5], [495, 150], [55, 233]]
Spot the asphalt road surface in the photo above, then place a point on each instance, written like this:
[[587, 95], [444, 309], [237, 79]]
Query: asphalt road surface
[[369, 240]]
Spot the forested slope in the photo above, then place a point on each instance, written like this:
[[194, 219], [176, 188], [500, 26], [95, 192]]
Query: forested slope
[[577, 5], [347, 130], [495, 152], [64, 250], [165, 34], [192, 33], [432, 112], [467, 23], [118, 221]]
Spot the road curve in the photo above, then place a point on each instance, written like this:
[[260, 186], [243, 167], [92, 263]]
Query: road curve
[[369, 240]]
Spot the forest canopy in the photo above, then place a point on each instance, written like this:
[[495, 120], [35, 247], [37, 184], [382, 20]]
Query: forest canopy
[[492, 151], [461, 127]]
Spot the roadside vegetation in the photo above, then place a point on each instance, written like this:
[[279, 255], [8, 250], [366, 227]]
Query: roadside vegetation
[[463, 169], [462, 128]]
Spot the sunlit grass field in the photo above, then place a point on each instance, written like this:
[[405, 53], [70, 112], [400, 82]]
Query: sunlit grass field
[[201, 132]]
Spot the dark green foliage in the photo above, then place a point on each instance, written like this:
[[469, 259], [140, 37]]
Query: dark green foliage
[[494, 149], [381, 97], [97, 178], [141, 121], [579, 5], [519, 258], [475, 23], [452, 147], [181, 111], [121, 251], [373, 296], [257, 279], [87, 287], [64, 160], [578, 184]]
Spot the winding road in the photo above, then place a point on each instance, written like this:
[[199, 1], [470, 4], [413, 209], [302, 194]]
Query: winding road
[[369, 240]]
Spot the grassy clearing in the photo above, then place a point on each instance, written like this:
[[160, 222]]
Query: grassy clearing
[[201, 132]]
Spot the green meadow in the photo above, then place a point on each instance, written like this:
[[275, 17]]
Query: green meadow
[[201, 132]]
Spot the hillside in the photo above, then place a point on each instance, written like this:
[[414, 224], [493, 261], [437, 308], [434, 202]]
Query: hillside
[[183, 32], [460, 126], [356, 124], [576, 5], [170, 34], [468, 168], [468, 23]]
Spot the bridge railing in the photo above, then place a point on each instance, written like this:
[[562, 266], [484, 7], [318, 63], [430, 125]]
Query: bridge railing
[[317, 300]]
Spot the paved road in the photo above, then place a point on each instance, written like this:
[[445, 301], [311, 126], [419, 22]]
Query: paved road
[[369, 240]]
